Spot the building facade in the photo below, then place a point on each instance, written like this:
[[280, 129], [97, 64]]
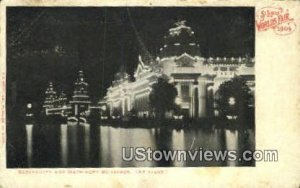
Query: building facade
[[196, 78]]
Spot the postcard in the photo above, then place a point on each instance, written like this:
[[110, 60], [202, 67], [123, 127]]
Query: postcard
[[150, 93]]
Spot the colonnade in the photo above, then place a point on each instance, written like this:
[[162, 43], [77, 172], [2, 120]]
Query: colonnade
[[197, 96]]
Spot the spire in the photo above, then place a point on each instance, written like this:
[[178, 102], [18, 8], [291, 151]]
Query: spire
[[180, 27], [50, 96], [62, 99], [80, 77], [80, 88], [180, 40]]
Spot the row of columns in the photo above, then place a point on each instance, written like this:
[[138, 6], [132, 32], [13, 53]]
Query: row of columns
[[140, 103], [197, 104], [202, 97], [197, 95], [124, 105]]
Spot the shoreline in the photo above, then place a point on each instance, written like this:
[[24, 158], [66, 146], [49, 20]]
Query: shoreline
[[205, 123]]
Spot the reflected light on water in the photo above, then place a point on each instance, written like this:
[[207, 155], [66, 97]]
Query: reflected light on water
[[29, 128], [231, 138], [86, 145], [115, 147], [104, 146], [86, 135], [141, 138], [64, 144], [178, 143], [73, 144]]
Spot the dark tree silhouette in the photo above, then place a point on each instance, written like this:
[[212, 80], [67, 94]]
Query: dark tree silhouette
[[133, 113], [162, 97], [116, 112], [234, 98]]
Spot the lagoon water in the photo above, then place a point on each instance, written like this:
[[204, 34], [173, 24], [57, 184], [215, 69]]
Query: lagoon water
[[89, 145]]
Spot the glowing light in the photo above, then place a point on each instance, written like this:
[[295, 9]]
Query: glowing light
[[178, 101], [210, 88], [178, 116], [29, 105], [231, 101], [103, 108]]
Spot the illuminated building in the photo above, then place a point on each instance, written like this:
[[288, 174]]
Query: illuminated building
[[50, 97], [196, 78], [59, 105], [80, 100]]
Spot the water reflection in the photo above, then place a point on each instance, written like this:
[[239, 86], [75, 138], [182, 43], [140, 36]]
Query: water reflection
[[163, 141], [64, 144], [88, 145], [86, 136], [112, 140], [73, 145], [104, 144], [178, 143], [231, 138], [29, 128]]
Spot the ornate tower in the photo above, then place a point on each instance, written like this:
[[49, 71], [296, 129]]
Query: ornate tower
[[80, 100], [62, 99], [180, 40], [50, 97]]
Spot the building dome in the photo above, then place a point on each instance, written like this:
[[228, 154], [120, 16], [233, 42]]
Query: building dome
[[180, 40]]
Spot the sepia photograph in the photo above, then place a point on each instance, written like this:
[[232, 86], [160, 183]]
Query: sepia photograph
[[107, 87]]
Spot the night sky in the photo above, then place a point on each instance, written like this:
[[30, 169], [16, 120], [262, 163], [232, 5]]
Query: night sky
[[52, 44]]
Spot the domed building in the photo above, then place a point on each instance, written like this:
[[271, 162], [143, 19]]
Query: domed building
[[196, 78]]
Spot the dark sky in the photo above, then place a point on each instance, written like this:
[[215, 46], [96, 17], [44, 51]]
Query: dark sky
[[46, 44]]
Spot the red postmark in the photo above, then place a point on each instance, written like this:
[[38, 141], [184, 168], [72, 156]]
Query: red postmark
[[277, 19]]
